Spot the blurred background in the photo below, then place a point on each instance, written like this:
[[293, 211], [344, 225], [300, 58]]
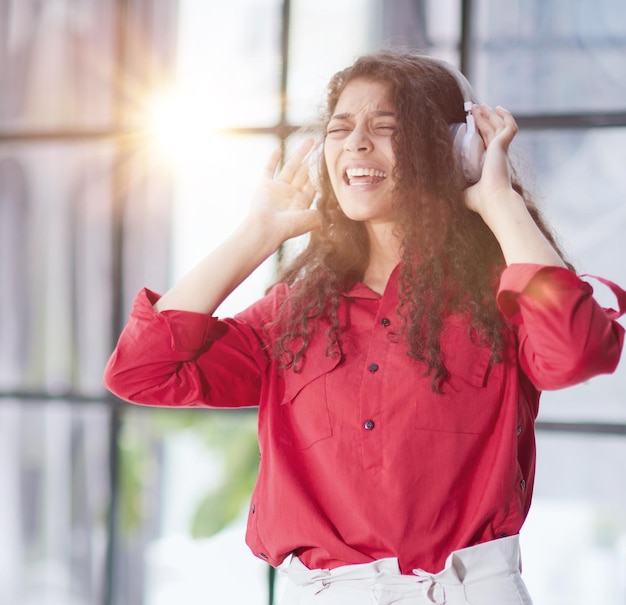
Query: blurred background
[[132, 134]]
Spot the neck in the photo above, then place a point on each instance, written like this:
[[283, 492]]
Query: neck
[[384, 256]]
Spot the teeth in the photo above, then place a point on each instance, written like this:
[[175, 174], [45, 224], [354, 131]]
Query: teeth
[[352, 172]]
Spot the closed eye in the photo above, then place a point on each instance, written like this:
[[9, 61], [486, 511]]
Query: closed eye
[[337, 130]]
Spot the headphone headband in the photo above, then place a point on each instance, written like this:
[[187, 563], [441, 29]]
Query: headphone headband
[[468, 145], [463, 83]]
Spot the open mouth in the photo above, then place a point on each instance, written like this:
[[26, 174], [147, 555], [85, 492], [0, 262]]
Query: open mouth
[[364, 176]]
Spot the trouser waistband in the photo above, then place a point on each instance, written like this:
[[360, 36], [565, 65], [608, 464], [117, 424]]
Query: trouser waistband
[[482, 562], [479, 562]]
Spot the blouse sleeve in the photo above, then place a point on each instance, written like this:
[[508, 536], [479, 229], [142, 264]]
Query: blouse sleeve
[[564, 336], [186, 359]]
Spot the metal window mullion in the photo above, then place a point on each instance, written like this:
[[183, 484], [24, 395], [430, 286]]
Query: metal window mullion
[[118, 204], [465, 43]]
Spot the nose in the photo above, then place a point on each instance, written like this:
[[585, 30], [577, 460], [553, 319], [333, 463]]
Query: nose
[[358, 140]]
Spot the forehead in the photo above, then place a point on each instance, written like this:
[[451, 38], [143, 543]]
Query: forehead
[[364, 96]]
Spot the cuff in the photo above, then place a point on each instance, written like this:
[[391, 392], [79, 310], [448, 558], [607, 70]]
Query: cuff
[[538, 282], [188, 330]]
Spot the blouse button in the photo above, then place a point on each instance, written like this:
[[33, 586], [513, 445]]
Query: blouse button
[[522, 484], [385, 322], [519, 431], [369, 425], [372, 367]]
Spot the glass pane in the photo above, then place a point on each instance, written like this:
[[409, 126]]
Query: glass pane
[[229, 61], [56, 63], [56, 224], [187, 479], [579, 176], [177, 537], [65, 64], [574, 541], [326, 36], [213, 192], [54, 496], [55, 268], [443, 27], [351, 28], [549, 56], [142, 182]]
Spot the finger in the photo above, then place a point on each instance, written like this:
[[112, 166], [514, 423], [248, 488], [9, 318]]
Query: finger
[[505, 127], [309, 189], [483, 123], [490, 115], [295, 164], [507, 118], [502, 121], [495, 124], [305, 196], [272, 163], [296, 169], [301, 175], [309, 168], [504, 113], [307, 220]]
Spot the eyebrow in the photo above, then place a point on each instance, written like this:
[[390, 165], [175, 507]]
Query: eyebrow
[[377, 113]]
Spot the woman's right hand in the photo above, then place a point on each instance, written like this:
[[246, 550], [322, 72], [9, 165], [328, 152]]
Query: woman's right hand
[[281, 209], [282, 203]]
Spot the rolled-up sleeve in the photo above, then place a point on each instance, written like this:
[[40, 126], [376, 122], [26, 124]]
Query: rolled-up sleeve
[[186, 359], [564, 336]]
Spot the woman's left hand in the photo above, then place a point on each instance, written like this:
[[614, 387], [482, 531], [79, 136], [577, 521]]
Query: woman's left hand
[[497, 128], [502, 209]]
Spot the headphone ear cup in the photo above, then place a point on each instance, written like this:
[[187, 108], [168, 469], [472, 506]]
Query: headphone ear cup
[[469, 150], [474, 152]]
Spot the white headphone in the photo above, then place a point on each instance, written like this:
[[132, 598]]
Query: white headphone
[[467, 143]]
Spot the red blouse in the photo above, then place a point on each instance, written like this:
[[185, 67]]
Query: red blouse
[[360, 460]]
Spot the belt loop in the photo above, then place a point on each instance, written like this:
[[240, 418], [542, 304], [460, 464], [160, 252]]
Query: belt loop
[[433, 590], [323, 585]]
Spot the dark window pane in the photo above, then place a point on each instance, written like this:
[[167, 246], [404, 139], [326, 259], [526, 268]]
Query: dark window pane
[[54, 496], [579, 180], [56, 222], [574, 541], [551, 56]]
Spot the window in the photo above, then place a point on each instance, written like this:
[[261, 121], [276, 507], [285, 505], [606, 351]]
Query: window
[[97, 508]]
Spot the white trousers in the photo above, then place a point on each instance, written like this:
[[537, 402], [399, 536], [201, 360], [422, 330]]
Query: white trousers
[[485, 574]]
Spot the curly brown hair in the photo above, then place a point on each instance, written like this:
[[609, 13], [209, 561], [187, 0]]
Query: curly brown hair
[[450, 260]]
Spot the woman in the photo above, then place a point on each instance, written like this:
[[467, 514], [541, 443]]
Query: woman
[[398, 361]]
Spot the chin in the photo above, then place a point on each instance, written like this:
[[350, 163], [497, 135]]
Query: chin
[[360, 212]]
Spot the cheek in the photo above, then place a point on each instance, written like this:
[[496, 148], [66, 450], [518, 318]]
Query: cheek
[[327, 157], [390, 153], [330, 164]]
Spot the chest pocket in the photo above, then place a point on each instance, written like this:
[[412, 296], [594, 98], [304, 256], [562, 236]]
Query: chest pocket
[[304, 415], [471, 398]]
